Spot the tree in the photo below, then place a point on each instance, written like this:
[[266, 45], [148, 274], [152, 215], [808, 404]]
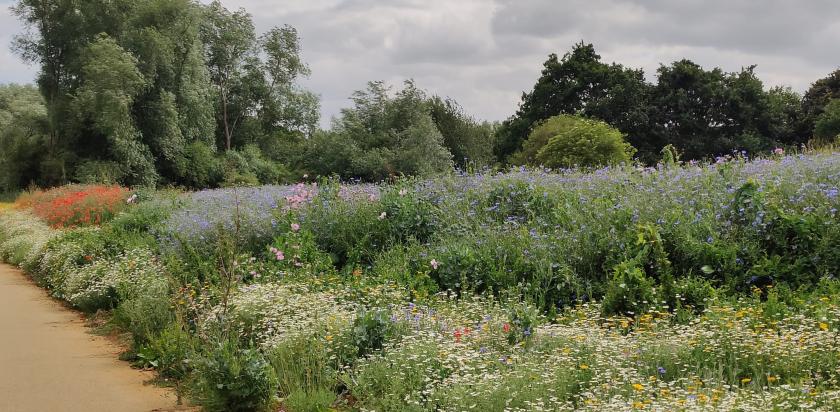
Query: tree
[[580, 142], [24, 129], [817, 98], [104, 99], [580, 83], [827, 126], [470, 142], [191, 71], [286, 106], [229, 41], [176, 107], [784, 108], [381, 136]]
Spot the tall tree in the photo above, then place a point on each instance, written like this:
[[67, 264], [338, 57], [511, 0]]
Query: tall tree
[[229, 41], [104, 100], [286, 105], [381, 136], [817, 98], [784, 108], [470, 142], [24, 127], [580, 83]]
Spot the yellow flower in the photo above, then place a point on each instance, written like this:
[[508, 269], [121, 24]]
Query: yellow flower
[[771, 379], [638, 386], [745, 381], [328, 338], [823, 326], [584, 366], [638, 405]]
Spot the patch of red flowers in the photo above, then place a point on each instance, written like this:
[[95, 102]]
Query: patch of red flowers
[[76, 205]]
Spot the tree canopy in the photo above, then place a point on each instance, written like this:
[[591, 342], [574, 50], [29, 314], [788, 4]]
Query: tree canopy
[[177, 92]]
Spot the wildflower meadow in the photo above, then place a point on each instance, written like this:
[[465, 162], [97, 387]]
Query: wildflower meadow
[[681, 287]]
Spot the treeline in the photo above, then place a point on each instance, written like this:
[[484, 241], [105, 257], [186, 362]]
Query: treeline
[[174, 92], [703, 113]]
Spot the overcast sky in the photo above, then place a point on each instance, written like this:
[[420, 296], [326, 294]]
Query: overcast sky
[[484, 53]]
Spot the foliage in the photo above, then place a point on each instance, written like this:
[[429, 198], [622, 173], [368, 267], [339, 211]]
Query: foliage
[[470, 142], [703, 113], [23, 136], [827, 127], [687, 287], [131, 90], [382, 137], [586, 143], [579, 83], [233, 378]]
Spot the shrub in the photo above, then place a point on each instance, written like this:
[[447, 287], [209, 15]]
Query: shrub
[[541, 135], [145, 315], [99, 172], [232, 378], [587, 143], [199, 167], [629, 292], [306, 375], [171, 352]]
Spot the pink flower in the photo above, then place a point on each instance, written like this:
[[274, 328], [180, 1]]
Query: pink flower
[[277, 253], [779, 151], [295, 227], [434, 264]]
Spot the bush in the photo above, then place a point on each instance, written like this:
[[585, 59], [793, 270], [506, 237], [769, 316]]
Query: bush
[[171, 352], [629, 292], [231, 378], [541, 135], [199, 167], [99, 172], [307, 378], [586, 143]]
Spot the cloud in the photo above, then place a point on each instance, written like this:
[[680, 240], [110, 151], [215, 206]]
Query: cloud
[[485, 53]]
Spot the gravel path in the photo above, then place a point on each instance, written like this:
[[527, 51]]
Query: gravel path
[[50, 362]]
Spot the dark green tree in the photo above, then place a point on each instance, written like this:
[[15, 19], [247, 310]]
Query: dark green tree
[[784, 108], [816, 99], [827, 127], [470, 142], [229, 42], [24, 130], [380, 137], [580, 83]]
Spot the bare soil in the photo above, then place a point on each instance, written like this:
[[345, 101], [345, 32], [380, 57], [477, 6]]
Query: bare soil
[[49, 360]]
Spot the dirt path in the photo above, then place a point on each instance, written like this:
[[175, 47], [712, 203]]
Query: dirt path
[[50, 362]]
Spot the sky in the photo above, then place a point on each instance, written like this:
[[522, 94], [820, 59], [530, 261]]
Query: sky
[[485, 53]]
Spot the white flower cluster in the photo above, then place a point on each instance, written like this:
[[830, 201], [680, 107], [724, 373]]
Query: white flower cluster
[[23, 237], [105, 282]]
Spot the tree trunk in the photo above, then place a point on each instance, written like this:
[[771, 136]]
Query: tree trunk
[[225, 119]]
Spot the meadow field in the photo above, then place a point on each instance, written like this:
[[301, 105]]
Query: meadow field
[[680, 287]]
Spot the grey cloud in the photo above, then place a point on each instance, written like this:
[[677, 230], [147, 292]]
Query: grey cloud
[[485, 53]]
